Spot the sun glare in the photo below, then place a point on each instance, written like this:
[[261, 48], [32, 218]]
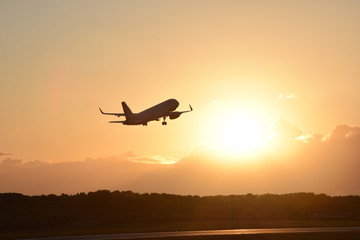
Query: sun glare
[[237, 132], [240, 135]]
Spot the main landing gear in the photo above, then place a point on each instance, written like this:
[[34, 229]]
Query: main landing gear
[[164, 123]]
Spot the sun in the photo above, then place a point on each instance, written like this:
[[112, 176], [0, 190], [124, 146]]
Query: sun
[[237, 132], [239, 135]]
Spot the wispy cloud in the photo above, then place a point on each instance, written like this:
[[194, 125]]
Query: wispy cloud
[[154, 160], [5, 154], [286, 96]]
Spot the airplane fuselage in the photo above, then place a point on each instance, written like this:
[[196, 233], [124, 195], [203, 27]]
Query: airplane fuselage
[[154, 113]]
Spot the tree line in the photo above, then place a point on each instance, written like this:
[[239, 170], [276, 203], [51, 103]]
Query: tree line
[[104, 207]]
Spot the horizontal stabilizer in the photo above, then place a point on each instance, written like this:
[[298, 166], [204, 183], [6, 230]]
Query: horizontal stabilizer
[[115, 114], [116, 121]]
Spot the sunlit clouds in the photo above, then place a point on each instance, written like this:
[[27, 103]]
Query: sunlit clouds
[[329, 166], [153, 160], [290, 96], [314, 162]]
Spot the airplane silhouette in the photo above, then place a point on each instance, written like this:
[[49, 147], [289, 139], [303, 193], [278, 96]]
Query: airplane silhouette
[[155, 113]]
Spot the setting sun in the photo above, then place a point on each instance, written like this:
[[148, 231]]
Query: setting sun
[[236, 132], [239, 135]]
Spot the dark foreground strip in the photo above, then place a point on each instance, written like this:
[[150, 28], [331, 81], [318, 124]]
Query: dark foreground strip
[[204, 233]]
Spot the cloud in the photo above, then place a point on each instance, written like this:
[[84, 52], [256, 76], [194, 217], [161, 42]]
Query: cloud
[[5, 154], [285, 130], [132, 157], [286, 96], [154, 160], [291, 96], [344, 132], [11, 162], [322, 166]]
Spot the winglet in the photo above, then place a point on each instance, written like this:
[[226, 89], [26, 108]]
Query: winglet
[[101, 111], [190, 107]]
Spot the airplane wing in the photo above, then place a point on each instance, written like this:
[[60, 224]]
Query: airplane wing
[[174, 115], [116, 121], [180, 112], [115, 114]]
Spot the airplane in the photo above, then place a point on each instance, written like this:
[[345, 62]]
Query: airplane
[[155, 113]]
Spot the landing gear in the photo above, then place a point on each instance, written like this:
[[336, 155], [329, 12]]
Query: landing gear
[[164, 123], [144, 124]]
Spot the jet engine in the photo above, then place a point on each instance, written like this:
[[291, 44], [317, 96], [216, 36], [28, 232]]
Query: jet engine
[[174, 115]]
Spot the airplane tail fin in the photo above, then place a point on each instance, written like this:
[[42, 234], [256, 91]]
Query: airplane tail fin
[[127, 111]]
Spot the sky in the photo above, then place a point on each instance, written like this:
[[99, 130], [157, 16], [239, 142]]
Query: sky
[[274, 86]]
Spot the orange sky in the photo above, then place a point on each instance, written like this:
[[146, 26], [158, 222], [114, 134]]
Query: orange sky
[[242, 65]]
